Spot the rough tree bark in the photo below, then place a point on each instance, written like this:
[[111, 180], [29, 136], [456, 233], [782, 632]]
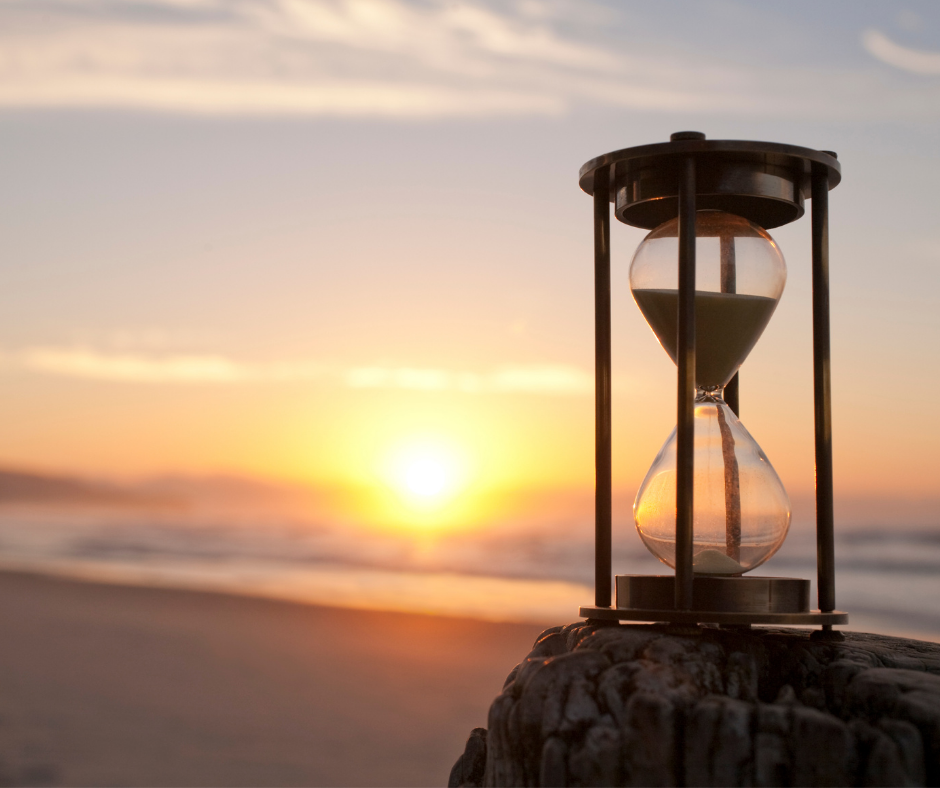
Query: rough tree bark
[[596, 704]]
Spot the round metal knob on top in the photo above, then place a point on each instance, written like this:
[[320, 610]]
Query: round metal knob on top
[[686, 135]]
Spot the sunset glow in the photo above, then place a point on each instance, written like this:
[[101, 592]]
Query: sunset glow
[[225, 302], [426, 474]]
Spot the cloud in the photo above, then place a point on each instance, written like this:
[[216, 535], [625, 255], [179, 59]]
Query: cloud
[[887, 51], [445, 35], [128, 367], [318, 57], [558, 379], [549, 379], [382, 58], [416, 59], [206, 97], [135, 368]]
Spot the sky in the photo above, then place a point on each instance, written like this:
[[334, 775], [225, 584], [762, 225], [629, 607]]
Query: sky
[[335, 242]]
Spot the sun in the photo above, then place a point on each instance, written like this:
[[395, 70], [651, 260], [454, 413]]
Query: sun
[[426, 474], [426, 477]]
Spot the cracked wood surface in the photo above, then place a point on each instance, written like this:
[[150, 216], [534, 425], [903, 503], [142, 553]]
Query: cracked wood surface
[[609, 704]]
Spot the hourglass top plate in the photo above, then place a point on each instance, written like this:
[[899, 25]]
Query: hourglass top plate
[[765, 182]]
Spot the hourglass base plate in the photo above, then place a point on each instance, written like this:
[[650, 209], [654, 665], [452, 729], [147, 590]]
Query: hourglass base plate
[[812, 618], [716, 600]]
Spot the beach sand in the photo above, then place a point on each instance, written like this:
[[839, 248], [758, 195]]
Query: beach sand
[[117, 685]]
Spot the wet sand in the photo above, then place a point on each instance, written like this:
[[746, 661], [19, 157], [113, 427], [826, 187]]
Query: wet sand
[[115, 685]]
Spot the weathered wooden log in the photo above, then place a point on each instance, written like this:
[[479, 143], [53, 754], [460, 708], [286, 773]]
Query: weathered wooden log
[[609, 704]]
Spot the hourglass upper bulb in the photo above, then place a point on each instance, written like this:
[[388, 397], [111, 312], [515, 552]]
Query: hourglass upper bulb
[[739, 277]]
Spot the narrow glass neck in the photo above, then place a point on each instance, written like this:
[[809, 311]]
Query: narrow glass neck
[[710, 394]]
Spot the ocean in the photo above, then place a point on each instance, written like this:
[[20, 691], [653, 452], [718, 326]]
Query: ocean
[[888, 577]]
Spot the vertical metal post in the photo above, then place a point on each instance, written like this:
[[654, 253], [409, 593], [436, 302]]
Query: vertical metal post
[[825, 548], [729, 284], [686, 386], [602, 414]]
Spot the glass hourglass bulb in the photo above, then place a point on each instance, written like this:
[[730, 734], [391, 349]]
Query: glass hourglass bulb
[[741, 511]]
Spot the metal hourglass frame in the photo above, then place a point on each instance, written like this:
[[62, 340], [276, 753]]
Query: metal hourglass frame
[[765, 183]]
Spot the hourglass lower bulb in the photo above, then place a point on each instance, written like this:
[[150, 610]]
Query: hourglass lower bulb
[[741, 512]]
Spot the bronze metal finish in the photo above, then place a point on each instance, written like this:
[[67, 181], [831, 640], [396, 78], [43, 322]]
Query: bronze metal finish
[[765, 182], [813, 618], [716, 594]]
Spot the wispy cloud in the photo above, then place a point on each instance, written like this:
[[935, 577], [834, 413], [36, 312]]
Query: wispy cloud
[[383, 58], [136, 368], [887, 51], [410, 59], [324, 57], [539, 379], [130, 367]]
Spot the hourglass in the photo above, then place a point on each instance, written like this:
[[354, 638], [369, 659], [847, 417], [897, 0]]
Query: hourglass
[[707, 278]]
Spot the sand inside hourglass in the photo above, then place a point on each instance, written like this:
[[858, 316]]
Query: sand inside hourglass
[[715, 562], [727, 326], [710, 560]]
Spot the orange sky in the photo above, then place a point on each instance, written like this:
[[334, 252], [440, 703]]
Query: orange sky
[[331, 276]]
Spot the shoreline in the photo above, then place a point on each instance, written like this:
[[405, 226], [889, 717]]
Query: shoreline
[[491, 599], [488, 599], [117, 684]]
